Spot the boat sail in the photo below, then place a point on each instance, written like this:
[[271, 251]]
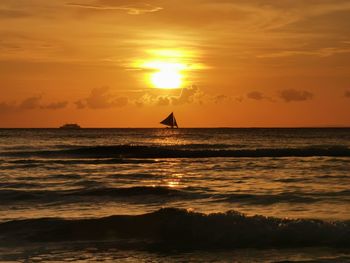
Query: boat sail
[[170, 121]]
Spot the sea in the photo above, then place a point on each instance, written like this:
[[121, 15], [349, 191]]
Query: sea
[[175, 195]]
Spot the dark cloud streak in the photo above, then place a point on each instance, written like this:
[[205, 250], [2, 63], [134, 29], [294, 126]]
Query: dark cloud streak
[[12, 13], [31, 103], [6, 107], [256, 95], [290, 95], [55, 105]]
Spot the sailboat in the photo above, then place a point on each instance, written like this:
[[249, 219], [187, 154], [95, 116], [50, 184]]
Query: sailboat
[[170, 121]]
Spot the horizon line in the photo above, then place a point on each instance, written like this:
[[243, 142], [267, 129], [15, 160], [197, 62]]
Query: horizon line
[[200, 127]]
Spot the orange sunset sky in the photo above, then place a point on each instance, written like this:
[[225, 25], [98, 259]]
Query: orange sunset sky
[[229, 63]]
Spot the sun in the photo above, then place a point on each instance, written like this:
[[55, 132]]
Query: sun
[[167, 68], [166, 75], [167, 79]]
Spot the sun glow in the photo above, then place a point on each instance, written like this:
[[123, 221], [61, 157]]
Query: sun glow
[[167, 75], [167, 79], [168, 68]]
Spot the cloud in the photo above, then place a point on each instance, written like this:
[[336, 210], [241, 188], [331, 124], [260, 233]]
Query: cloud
[[131, 9], [145, 99], [290, 95], [239, 99], [30, 103], [163, 101], [150, 99], [189, 95], [6, 107], [241, 27], [80, 104], [255, 95], [34, 102], [220, 99], [347, 94], [55, 105], [323, 52], [101, 98], [120, 102]]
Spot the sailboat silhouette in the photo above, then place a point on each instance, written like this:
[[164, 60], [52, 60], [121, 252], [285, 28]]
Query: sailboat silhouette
[[170, 121]]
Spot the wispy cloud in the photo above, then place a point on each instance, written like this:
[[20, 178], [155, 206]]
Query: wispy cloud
[[129, 9], [323, 52]]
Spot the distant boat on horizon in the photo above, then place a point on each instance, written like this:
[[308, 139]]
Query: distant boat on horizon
[[170, 121], [71, 126]]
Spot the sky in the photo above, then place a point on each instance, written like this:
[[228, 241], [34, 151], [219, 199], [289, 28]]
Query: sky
[[229, 63]]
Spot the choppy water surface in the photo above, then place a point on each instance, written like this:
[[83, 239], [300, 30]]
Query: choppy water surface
[[122, 190]]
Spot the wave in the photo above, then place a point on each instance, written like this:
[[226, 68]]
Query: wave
[[135, 151], [40, 162], [183, 229], [15, 195], [287, 197], [92, 189], [270, 199], [135, 191]]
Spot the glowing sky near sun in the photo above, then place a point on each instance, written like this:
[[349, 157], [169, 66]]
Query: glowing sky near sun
[[128, 63]]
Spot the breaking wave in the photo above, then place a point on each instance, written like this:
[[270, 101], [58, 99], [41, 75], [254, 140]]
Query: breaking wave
[[182, 229]]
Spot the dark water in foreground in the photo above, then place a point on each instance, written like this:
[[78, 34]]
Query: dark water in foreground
[[246, 195]]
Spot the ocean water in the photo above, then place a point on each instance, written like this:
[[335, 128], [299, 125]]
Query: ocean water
[[178, 195]]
